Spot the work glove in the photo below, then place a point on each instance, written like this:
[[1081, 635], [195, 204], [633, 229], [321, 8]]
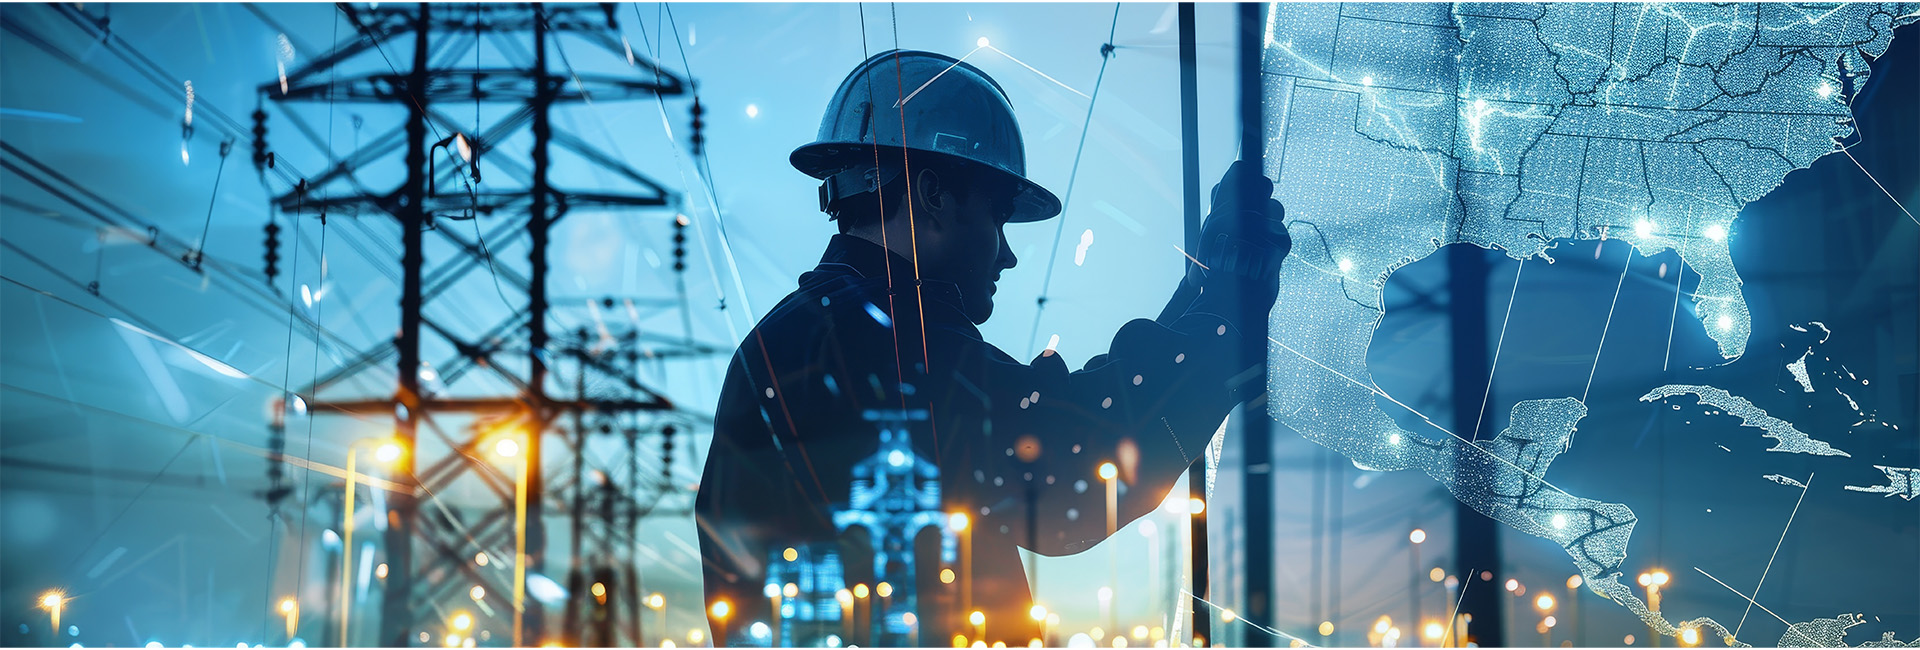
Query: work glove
[[1242, 242]]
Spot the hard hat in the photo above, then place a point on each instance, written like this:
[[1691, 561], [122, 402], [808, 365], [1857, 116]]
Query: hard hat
[[904, 100]]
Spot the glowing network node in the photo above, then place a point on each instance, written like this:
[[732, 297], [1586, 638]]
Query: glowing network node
[[753, 110], [1366, 80], [1643, 228], [1559, 522], [982, 42], [1716, 232], [1724, 322], [1346, 265]]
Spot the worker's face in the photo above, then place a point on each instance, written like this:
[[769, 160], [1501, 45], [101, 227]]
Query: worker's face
[[970, 224]]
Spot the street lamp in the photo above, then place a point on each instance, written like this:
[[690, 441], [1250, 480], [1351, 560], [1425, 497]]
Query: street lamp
[[959, 523], [658, 604], [979, 621], [720, 610], [387, 451], [1417, 537], [1039, 614], [53, 601], [1110, 474], [1653, 581], [290, 608], [508, 446], [772, 592]]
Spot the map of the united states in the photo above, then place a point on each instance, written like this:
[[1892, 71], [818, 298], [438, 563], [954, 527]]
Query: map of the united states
[[1395, 129]]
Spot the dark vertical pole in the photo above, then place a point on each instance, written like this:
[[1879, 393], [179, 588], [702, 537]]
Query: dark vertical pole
[[633, 538], [538, 225], [1190, 182], [576, 576], [396, 618], [1256, 428], [1477, 539]]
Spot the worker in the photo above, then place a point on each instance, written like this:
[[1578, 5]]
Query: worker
[[922, 167]]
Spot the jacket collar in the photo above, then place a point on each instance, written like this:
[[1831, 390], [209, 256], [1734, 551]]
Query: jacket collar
[[868, 262]]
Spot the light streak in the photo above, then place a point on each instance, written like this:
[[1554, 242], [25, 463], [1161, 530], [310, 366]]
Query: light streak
[[929, 82], [1876, 183], [1673, 319], [1751, 601], [1424, 418], [1776, 553], [1497, 346], [1196, 262], [1252, 624], [1605, 328], [1456, 604], [1037, 71]]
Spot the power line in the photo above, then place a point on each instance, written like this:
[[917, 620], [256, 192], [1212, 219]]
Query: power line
[[1060, 227]]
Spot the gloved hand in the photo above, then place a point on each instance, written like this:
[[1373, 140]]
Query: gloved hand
[[1242, 241]]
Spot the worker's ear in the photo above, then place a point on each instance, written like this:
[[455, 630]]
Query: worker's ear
[[934, 196]]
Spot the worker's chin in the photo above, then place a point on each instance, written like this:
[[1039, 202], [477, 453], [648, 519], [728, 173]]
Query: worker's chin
[[980, 309]]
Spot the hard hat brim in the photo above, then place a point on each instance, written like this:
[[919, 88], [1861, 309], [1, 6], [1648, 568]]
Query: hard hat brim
[[823, 159]]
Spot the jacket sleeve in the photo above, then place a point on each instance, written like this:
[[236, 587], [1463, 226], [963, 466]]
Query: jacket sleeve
[[1150, 405]]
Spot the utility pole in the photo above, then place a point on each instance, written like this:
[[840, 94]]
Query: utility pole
[[1256, 428], [1476, 537], [1190, 204]]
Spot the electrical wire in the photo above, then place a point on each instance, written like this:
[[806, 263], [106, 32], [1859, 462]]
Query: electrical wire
[[1060, 227]]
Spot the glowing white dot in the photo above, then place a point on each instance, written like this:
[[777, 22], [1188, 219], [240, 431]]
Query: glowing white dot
[[1825, 90], [1643, 228], [1559, 521], [1367, 80], [896, 458], [1716, 232], [982, 42], [1393, 438], [769, 393], [1346, 265], [753, 110], [1725, 323]]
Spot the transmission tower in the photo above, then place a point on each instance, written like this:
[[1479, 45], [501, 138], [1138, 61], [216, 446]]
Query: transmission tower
[[443, 158]]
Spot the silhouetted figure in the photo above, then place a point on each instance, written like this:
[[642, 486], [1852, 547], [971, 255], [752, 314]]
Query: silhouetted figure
[[873, 372]]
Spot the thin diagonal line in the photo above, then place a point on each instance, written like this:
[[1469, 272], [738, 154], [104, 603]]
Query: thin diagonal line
[[1043, 74], [1496, 350], [136, 499], [1073, 174], [1257, 626], [1876, 183], [1776, 553], [1751, 602], [1609, 325], [1190, 257], [1456, 607], [916, 91], [1673, 319], [1424, 417]]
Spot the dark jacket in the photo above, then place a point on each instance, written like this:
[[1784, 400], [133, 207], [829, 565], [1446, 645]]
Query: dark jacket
[[819, 387]]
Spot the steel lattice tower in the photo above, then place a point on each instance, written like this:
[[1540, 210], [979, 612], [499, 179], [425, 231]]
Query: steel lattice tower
[[443, 158]]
